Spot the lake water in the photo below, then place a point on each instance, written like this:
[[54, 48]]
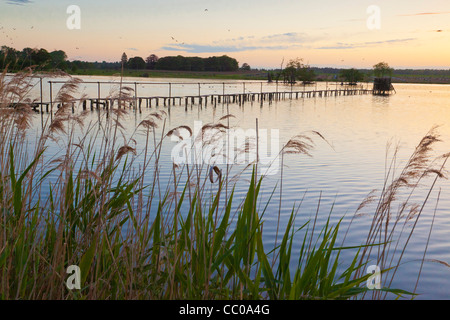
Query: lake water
[[340, 176]]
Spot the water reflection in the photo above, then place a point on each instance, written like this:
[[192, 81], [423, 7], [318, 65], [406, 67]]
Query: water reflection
[[339, 176]]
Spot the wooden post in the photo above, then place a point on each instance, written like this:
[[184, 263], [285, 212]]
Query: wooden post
[[40, 85], [41, 106], [277, 89], [51, 100], [135, 96]]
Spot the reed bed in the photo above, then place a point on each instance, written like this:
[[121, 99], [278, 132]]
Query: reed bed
[[135, 237]]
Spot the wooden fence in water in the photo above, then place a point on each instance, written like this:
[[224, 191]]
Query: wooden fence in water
[[140, 102]]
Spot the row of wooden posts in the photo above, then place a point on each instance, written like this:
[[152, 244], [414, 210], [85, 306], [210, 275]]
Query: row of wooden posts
[[202, 100]]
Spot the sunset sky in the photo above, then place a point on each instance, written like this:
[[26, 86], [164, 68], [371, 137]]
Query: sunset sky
[[412, 33]]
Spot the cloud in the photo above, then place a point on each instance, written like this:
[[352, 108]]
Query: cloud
[[19, 2], [199, 48], [281, 41], [390, 41], [354, 20], [345, 46], [235, 40], [423, 14], [288, 37], [337, 47], [132, 49]]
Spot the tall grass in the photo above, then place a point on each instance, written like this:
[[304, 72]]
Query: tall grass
[[137, 237]]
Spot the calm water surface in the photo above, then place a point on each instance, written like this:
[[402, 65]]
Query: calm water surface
[[340, 176]]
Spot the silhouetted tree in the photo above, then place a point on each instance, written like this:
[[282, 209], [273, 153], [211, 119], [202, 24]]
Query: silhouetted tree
[[245, 66], [136, 63], [42, 58], [124, 60], [151, 61], [9, 58], [223, 63], [27, 56], [58, 59]]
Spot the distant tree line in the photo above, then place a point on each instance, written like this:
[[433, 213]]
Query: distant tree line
[[180, 63], [41, 59], [44, 60], [295, 70]]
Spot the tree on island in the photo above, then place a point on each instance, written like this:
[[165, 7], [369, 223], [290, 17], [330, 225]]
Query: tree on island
[[297, 70], [382, 69], [352, 76]]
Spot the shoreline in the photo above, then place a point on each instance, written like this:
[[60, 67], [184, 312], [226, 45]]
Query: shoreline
[[240, 75]]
